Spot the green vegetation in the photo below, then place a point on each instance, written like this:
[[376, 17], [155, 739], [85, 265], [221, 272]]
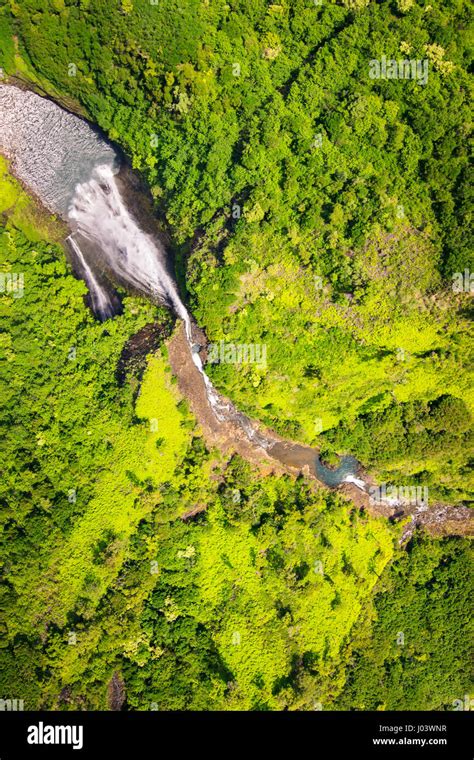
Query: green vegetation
[[316, 211], [92, 495], [417, 651], [65, 449], [333, 208]]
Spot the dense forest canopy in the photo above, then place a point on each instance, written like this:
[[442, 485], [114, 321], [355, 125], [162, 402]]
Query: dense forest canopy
[[319, 208], [315, 209]]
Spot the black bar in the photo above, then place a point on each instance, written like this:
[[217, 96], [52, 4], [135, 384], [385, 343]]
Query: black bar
[[312, 734]]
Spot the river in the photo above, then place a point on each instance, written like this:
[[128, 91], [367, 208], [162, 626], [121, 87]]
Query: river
[[72, 169]]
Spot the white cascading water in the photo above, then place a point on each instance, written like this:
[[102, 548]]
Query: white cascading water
[[358, 482], [98, 214], [101, 302]]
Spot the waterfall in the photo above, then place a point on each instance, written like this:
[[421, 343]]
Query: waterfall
[[101, 302], [71, 168], [98, 214]]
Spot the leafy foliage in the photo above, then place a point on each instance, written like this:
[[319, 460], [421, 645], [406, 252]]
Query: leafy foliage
[[313, 210], [332, 209], [416, 651]]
